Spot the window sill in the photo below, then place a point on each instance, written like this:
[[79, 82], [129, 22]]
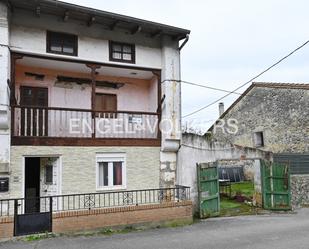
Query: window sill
[[111, 188]]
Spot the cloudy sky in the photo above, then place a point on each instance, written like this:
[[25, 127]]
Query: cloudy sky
[[231, 41]]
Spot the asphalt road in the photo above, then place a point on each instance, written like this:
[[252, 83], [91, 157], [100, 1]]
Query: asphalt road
[[290, 231]]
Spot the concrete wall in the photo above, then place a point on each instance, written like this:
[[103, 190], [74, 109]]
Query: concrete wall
[[78, 167], [171, 111], [4, 89], [28, 34], [198, 149], [135, 95]]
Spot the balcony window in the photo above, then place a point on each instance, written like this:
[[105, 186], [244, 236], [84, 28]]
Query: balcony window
[[61, 43], [121, 52]]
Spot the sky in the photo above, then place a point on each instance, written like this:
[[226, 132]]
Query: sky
[[231, 41]]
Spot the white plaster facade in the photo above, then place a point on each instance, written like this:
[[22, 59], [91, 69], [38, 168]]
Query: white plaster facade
[[197, 149], [21, 31]]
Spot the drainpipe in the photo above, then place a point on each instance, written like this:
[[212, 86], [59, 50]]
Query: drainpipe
[[184, 42]]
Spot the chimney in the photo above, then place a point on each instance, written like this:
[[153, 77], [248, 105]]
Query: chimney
[[221, 108]]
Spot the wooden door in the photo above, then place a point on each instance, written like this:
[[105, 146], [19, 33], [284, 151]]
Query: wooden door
[[208, 189], [106, 103], [276, 185], [34, 118]]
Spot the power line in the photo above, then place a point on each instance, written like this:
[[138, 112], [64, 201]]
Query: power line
[[252, 79], [199, 85], [209, 87], [206, 149]]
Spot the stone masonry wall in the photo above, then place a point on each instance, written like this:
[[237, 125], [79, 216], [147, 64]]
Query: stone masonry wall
[[282, 114], [299, 190]]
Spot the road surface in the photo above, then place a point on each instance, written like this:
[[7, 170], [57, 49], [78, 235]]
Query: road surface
[[268, 231]]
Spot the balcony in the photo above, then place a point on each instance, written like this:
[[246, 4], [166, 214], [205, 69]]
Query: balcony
[[66, 103]]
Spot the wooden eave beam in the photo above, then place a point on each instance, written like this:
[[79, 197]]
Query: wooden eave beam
[[66, 16], [38, 11], [113, 25], [137, 29], [91, 21], [156, 33]]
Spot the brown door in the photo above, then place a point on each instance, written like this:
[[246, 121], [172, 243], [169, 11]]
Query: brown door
[[34, 118], [106, 103]]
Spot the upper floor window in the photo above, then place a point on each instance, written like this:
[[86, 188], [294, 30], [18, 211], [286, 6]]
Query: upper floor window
[[259, 139], [61, 43], [122, 52]]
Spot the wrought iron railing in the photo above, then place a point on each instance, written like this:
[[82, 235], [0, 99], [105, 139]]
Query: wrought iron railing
[[87, 201]]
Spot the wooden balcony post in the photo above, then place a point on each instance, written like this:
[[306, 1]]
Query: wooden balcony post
[[93, 68], [14, 58], [159, 100]]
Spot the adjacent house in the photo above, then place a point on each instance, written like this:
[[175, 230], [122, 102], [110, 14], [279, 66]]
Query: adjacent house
[[272, 117], [82, 99]]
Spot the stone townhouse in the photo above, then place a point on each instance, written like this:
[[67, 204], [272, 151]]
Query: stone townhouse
[[272, 117], [81, 104]]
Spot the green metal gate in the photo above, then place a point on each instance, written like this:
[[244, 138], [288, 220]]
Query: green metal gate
[[276, 185], [208, 189]]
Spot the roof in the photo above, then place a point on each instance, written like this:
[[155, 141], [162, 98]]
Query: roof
[[109, 20], [280, 85], [304, 86]]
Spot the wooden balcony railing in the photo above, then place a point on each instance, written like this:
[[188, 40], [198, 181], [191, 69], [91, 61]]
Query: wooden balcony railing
[[56, 122]]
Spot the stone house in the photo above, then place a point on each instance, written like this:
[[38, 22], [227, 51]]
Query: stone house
[[272, 117], [82, 99]]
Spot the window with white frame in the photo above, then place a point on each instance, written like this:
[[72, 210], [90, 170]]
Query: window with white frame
[[111, 171]]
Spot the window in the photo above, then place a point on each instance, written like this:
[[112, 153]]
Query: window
[[122, 52], [259, 139], [106, 102], [61, 43], [111, 171], [49, 174], [4, 184]]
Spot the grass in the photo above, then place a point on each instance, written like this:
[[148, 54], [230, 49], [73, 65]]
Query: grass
[[231, 207], [245, 188], [226, 203], [35, 237]]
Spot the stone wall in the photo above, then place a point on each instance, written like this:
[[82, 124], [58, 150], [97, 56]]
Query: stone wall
[[282, 114], [299, 190]]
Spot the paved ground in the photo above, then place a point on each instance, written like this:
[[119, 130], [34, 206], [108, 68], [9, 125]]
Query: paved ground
[[275, 231]]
